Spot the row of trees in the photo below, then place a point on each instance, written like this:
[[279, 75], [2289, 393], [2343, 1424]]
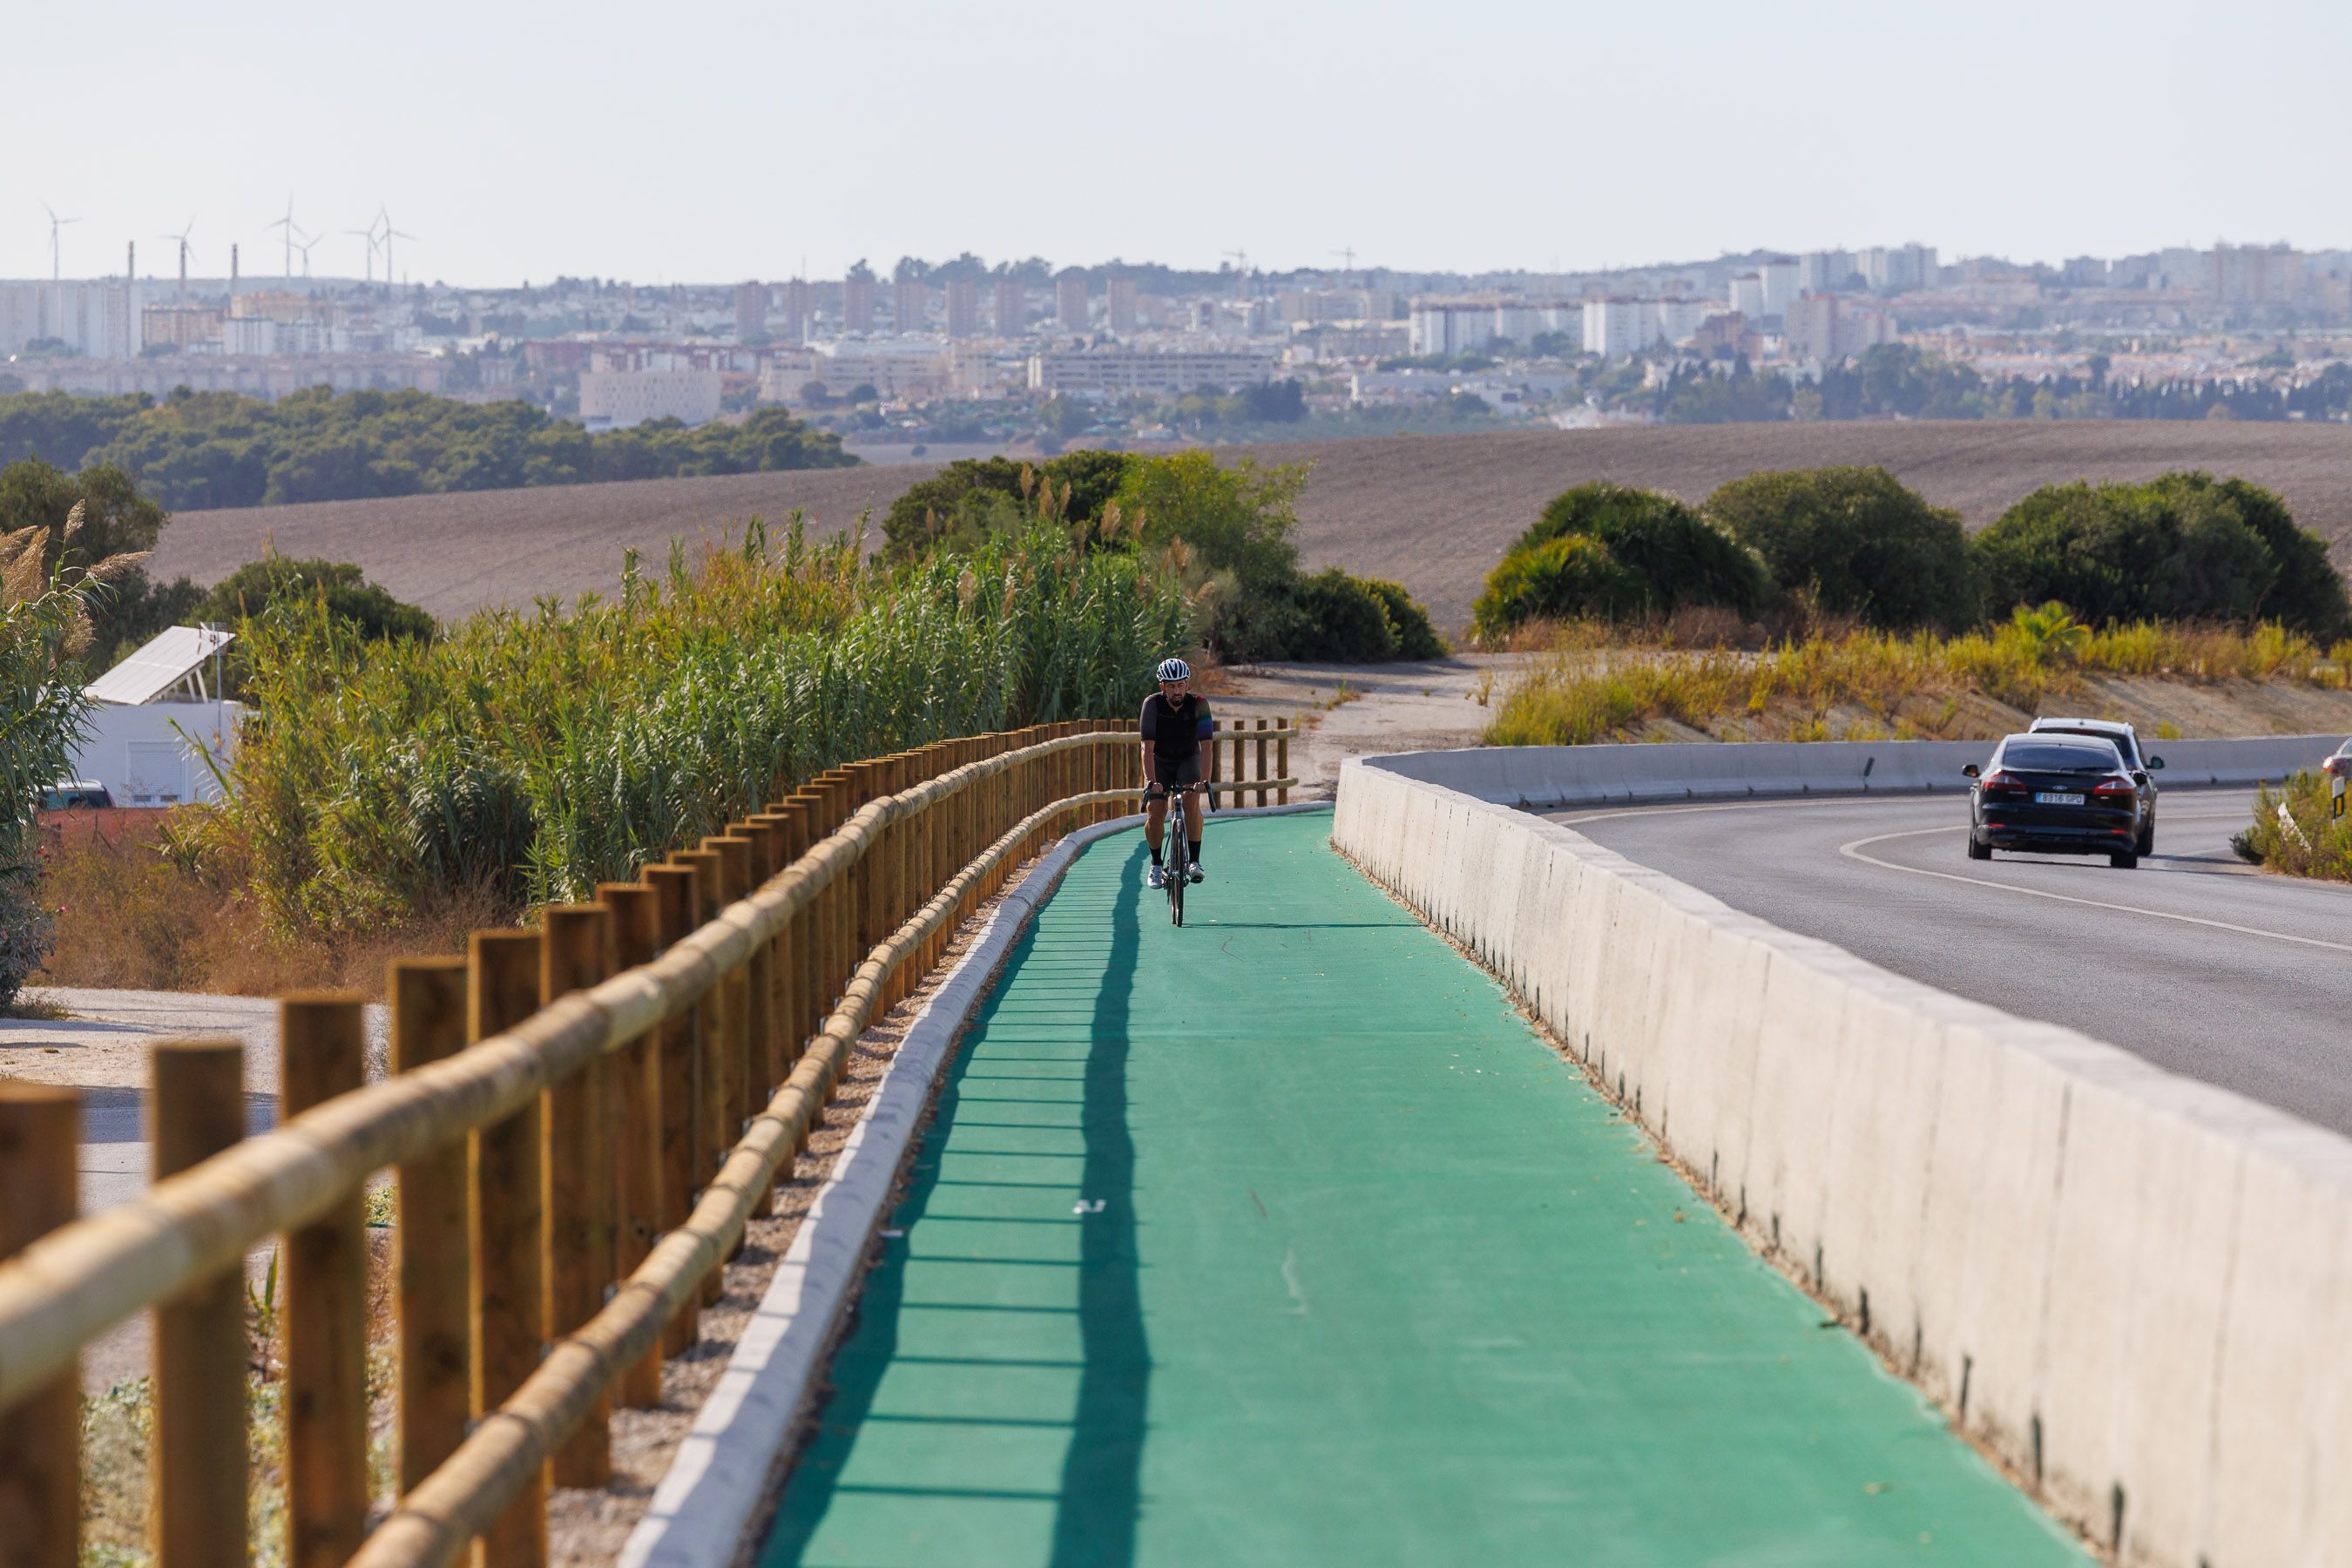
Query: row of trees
[[1230, 533], [1857, 542], [198, 449], [1896, 379]]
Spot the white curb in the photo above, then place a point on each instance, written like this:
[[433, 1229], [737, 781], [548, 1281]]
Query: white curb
[[717, 1479]]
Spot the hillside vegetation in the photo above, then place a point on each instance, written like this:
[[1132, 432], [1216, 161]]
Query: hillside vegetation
[[198, 449], [1858, 543]]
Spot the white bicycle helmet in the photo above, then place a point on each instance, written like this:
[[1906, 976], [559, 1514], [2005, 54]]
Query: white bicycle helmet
[[1174, 670]]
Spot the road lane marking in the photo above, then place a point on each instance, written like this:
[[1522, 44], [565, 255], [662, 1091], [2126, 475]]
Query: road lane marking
[[1852, 851]]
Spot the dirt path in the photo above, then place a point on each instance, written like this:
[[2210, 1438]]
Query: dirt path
[[1365, 710]]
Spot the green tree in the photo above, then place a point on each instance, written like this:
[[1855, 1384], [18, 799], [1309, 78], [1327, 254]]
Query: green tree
[[1570, 576], [338, 586], [1859, 541], [1344, 621], [1416, 638], [2179, 547], [117, 521], [1661, 555]]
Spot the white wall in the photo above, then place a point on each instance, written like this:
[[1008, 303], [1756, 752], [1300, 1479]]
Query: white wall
[[146, 755], [2122, 1282]]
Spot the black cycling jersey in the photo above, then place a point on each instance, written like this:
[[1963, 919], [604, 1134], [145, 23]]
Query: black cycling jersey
[[1175, 730]]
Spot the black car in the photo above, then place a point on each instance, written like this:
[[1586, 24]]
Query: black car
[[2142, 767], [2065, 794]]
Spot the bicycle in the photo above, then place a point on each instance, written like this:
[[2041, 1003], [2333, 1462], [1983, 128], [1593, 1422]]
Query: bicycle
[[1176, 849]]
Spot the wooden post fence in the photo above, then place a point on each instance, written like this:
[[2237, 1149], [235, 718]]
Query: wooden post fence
[[581, 1121]]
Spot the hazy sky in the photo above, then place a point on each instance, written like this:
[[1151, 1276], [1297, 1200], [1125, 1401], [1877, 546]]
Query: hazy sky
[[709, 139]]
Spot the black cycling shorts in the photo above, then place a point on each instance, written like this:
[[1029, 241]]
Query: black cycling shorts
[[1175, 772]]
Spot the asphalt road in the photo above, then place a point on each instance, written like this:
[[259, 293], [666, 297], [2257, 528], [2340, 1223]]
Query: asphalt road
[[2196, 962]]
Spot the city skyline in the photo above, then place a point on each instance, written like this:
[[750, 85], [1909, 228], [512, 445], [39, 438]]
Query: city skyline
[[1514, 138]]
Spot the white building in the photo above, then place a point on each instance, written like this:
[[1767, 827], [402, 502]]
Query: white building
[[1748, 294], [1131, 372], [1779, 278], [98, 319], [615, 399], [1617, 327], [1679, 318], [158, 731]]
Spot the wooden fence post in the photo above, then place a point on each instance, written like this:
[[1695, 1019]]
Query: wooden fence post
[[509, 1209], [676, 893], [715, 1025], [40, 1438], [435, 1285], [638, 1114], [576, 953], [1262, 774], [750, 981], [200, 1439], [322, 1052]]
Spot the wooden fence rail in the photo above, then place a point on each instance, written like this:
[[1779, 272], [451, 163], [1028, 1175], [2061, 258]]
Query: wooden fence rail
[[641, 1069]]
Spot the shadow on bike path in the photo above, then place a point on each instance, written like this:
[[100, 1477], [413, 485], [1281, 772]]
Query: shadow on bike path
[[1280, 1239]]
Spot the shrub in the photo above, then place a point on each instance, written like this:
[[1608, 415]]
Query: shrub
[[973, 497], [1859, 541], [1666, 557], [2308, 595], [1345, 621], [1415, 636], [369, 610], [1571, 576], [2179, 547]]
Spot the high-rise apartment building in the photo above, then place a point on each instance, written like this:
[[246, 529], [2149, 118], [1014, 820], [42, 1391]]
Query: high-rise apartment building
[[1070, 300], [964, 308], [910, 306], [1011, 307], [858, 303], [750, 312], [1779, 277], [1119, 305], [797, 307], [2255, 274]]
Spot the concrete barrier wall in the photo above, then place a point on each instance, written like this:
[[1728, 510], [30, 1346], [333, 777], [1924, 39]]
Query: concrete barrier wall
[[2136, 1290], [1548, 776]]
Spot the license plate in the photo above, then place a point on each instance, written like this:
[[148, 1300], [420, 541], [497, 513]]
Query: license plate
[[2053, 797]]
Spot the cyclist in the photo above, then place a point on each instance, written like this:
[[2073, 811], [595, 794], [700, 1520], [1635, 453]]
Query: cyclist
[[1175, 725]]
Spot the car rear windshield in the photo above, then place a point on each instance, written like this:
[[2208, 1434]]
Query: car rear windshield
[[2059, 756]]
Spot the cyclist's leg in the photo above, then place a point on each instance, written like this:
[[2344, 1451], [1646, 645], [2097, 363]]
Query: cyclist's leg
[[1155, 817], [1195, 817]]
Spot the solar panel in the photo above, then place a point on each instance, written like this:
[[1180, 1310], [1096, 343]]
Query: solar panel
[[160, 665]]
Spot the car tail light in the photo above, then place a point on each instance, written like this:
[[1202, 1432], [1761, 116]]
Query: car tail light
[[2002, 780], [2113, 791]]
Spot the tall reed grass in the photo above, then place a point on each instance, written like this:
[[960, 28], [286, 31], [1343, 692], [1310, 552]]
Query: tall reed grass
[[1867, 684], [534, 755]]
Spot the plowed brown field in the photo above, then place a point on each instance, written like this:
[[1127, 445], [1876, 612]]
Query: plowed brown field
[[1432, 511]]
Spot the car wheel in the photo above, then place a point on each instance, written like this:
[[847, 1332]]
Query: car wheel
[[1977, 850], [2124, 860], [2147, 845]]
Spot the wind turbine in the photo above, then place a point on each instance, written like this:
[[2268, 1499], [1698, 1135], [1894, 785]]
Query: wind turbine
[[304, 246], [182, 238], [384, 216], [55, 223], [367, 234], [291, 229]]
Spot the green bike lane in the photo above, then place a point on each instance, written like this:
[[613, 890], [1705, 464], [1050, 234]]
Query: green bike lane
[[1283, 1238]]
